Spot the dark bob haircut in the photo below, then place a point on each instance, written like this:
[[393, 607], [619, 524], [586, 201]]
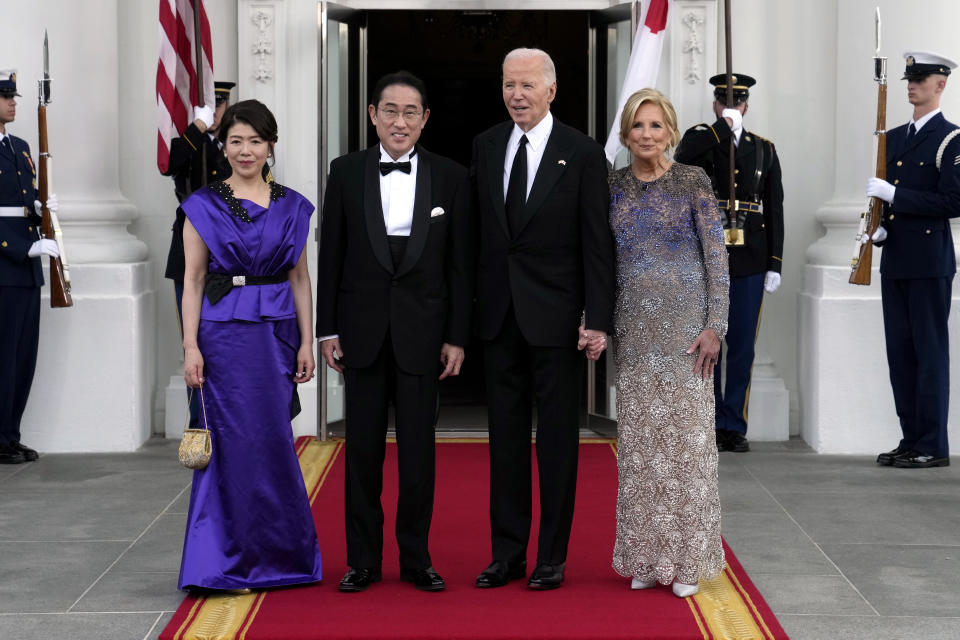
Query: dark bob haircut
[[404, 78], [253, 113]]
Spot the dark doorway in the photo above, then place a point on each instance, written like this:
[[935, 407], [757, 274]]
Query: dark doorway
[[458, 54]]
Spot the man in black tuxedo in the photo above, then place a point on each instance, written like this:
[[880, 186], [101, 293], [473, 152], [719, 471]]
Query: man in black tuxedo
[[394, 296], [546, 262]]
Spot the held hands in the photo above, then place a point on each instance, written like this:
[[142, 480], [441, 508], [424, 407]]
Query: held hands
[[306, 365], [44, 247], [53, 205], [204, 116], [877, 188], [878, 236], [734, 119], [332, 354], [451, 357], [593, 341], [709, 345], [193, 367], [771, 281]]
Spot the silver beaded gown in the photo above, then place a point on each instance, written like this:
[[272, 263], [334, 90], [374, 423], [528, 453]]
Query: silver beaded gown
[[672, 283]]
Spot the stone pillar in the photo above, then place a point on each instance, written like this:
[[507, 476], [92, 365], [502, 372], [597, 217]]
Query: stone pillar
[[92, 389], [847, 405]]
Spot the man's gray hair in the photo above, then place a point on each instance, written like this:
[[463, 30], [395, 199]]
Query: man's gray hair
[[549, 70]]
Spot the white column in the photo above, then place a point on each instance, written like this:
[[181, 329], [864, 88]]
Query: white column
[[847, 404], [94, 372]]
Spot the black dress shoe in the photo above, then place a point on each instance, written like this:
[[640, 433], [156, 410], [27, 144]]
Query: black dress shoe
[[915, 460], [28, 454], [546, 576], [737, 442], [359, 579], [11, 455], [500, 573], [723, 440], [423, 579], [886, 458]]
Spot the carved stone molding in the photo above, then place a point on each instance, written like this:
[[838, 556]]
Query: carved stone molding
[[693, 21], [262, 17]]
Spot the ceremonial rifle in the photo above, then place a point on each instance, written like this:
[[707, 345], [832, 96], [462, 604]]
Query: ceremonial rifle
[[861, 263], [733, 233], [59, 270]]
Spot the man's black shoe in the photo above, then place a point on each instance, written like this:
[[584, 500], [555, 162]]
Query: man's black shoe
[[886, 458], [359, 579], [11, 455], [914, 460], [737, 442], [423, 579], [723, 440], [500, 573], [28, 454], [546, 576]]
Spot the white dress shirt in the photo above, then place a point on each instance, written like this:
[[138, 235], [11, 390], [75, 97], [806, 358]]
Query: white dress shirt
[[918, 124], [397, 191], [536, 143]]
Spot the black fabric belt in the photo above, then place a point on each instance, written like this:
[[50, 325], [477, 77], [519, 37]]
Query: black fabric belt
[[217, 285], [742, 205]]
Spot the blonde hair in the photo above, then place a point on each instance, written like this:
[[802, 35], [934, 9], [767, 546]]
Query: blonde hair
[[633, 105]]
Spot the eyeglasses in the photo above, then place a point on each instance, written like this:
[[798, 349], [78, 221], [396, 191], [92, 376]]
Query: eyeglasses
[[391, 115]]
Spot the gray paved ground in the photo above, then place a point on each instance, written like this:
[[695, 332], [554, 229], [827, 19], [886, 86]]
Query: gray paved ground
[[90, 544]]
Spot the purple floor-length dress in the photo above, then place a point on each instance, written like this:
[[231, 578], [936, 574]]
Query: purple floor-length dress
[[249, 524]]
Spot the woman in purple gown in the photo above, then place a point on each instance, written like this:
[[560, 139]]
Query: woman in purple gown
[[246, 346]]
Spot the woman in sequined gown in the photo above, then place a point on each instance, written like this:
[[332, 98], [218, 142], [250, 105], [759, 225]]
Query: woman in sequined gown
[[671, 313], [249, 524]]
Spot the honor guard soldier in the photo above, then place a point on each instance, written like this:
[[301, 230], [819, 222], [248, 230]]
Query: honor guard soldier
[[187, 155], [917, 265], [20, 275], [754, 240]]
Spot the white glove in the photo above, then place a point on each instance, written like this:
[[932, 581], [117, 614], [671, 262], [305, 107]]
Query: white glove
[[735, 117], [878, 236], [204, 115], [877, 188], [53, 205], [44, 247], [771, 282]]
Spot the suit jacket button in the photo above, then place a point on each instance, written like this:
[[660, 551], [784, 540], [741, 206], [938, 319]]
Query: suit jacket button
[[921, 163], [891, 217], [3, 244], [928, 230], [897, 181], [393, 283], [899, 163]]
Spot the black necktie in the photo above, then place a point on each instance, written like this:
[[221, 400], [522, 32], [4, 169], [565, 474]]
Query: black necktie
[[5, 145], [911, 131], [387, 167], [517, 187]]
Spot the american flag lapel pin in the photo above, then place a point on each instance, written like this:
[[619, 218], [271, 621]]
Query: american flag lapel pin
[[563, 162]]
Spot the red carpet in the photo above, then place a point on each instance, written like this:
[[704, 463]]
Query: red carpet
[[593, 603]]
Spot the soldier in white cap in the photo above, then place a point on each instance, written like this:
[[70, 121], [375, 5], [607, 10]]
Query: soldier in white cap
[[922, 194]]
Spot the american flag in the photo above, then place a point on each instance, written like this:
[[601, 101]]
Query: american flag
[[176, 71]]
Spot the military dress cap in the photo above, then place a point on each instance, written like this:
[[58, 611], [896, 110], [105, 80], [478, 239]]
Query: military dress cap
[[921, 64], [741, 86], [8, 83], [221, 90]]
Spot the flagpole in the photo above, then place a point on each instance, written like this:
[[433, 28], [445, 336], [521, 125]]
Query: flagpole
[[732, 198], [198, 48]]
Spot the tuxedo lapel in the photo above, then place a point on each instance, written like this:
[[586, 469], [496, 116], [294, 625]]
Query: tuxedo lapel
[[496, 154], [419, 226], [373, 209], [557, 155]]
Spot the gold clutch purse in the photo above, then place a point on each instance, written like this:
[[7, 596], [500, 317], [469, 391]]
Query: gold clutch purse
[[196, 448]]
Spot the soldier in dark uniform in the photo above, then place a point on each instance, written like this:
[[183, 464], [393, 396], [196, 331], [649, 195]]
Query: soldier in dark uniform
[[917, 265], [20, 276], [187, 152], [755, 265]]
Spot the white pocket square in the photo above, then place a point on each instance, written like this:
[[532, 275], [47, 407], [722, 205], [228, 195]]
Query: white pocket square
[[437, 211]]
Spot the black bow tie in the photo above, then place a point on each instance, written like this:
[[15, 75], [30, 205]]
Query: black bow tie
[[387, 167]]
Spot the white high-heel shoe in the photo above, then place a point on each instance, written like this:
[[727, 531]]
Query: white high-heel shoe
[[637, 583], [682, 590]]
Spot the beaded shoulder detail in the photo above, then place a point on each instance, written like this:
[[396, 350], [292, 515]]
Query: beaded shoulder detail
[[225, 192]]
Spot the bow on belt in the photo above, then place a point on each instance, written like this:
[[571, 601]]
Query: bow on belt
[[217, 285]]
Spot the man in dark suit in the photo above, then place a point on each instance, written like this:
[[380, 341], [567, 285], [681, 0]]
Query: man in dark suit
[[21, 276], [922, 192], [756, 262], [546, 263], [196, 148], [394, 293]]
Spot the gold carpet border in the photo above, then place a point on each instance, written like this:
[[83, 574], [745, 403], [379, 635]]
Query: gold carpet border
[[225, 616]]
